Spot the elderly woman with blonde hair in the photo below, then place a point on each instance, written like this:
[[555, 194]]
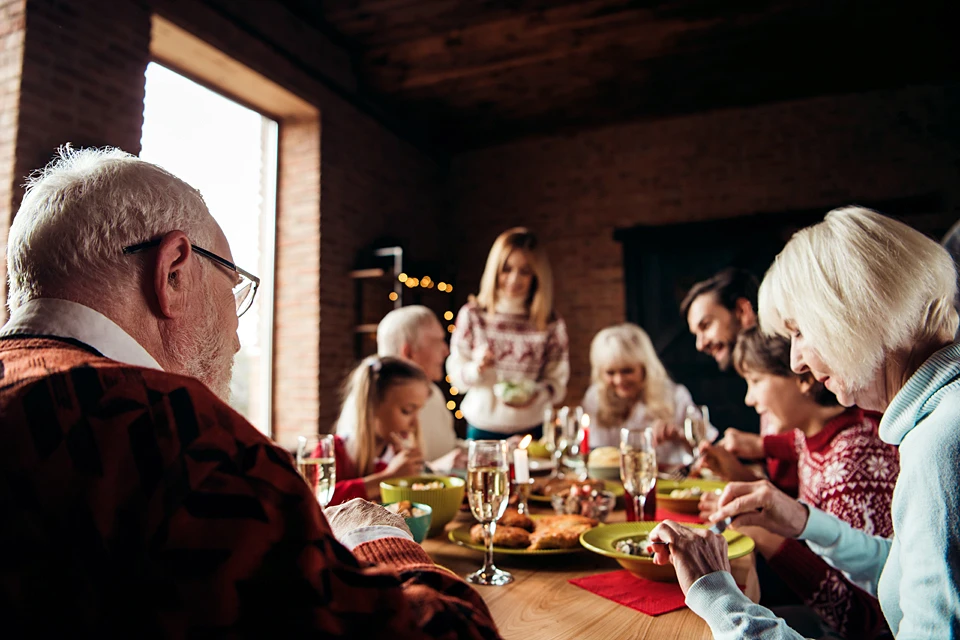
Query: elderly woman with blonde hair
[[631, 388], [867, 303]]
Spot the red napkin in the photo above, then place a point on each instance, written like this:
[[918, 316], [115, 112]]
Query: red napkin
[[663, 514], [645, 596]]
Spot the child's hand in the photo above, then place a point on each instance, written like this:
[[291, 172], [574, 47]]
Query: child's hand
[[743, 445], [408, 462]]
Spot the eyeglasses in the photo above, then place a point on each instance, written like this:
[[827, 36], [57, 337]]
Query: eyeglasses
[[243, 292]]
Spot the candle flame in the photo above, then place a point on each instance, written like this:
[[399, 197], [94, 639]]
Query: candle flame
[[585, 421], [527, 439]]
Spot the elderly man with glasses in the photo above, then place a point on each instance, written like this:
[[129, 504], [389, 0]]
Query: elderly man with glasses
[[135, 501]]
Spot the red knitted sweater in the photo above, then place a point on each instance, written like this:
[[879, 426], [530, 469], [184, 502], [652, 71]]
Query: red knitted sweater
[[137, 504], [848, 471]]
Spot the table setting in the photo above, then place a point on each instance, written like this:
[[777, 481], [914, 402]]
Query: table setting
[[549, 533]]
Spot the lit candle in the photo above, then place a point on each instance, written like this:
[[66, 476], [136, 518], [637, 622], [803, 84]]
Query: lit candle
[[585, 430], [521, 465]]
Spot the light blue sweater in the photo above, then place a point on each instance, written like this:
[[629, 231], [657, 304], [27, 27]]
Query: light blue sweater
[[919, 570]]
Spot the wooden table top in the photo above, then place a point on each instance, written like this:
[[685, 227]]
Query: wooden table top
[[540, 604]]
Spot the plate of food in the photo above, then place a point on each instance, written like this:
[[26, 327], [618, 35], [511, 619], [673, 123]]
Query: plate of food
[[628, 544], [515, 392], [683, 496], [544, 489], [542, 464], [522, 535], [603, 463]]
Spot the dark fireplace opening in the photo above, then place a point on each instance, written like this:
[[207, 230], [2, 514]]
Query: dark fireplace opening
[[661, 263]]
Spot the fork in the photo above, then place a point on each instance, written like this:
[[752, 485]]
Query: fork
[[684, 472]]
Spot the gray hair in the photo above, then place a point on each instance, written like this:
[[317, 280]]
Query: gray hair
[[402, 326], [859, 286], [82, 209]]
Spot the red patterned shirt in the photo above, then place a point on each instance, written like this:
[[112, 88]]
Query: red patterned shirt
[[137, 504], [848, 471]]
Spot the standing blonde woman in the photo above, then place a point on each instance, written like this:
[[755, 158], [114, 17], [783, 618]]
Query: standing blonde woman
[[867, 303], [631, 389], [509, 338]]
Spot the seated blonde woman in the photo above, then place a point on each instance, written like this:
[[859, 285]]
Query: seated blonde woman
[[631, 389], [867, 303]]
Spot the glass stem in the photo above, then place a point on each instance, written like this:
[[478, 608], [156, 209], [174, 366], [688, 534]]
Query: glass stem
[[639, 501], [490, 527]]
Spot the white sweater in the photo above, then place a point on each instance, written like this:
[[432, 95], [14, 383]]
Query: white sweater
[[667, 452], [521, 352]]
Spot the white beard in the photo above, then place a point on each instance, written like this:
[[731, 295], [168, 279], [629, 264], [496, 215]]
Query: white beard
[[206, 353]]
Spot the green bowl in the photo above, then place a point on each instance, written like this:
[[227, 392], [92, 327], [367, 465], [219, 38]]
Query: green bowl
[[445, 501], [603, 540], [418, 525]]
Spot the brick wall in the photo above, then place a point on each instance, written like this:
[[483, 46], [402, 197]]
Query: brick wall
[[74, 84], [83, 82], [575, 190], [12, 23]]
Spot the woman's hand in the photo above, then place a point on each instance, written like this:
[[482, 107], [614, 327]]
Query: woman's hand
[[694, 553], [485, 361], [761, 504], [407, 462], [664, 431], [748, 446]]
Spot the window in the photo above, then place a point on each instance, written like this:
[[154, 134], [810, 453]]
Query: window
[[229, 153]]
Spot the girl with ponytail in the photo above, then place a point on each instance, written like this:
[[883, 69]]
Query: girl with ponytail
[[377, 434]]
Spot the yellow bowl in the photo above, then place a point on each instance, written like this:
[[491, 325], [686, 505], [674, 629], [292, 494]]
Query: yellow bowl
[[445, 501], [538, 450], [603, 540]]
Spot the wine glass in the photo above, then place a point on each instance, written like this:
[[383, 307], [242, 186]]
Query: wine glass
[[317, 464], [488, 490], [638, 465]]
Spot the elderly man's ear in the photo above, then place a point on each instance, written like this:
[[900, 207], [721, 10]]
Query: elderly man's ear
[[406, 351], [171, 274]]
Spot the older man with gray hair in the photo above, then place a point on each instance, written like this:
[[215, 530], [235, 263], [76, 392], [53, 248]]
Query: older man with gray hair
[[414, 334], [135, 500]]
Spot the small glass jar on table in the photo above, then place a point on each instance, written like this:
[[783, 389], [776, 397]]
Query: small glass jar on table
[[317, 465]]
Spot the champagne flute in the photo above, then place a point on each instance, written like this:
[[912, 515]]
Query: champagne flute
[[317, 464], [638, 465], [488, 490]]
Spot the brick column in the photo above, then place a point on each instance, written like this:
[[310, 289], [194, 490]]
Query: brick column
[[12, 22]]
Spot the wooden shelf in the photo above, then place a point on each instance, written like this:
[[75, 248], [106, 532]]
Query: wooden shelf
[[363, 274], [365, 328]]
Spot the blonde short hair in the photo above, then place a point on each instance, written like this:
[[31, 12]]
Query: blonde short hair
[[402, 326], [628, 345], [540, 302], [858, 286]]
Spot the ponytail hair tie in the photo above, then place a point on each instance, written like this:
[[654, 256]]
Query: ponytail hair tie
[[376, 365]]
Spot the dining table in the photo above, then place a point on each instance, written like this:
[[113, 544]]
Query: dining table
[[541, 603]]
